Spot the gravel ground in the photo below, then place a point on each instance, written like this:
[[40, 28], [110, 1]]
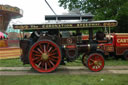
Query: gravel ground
[[63, 70]]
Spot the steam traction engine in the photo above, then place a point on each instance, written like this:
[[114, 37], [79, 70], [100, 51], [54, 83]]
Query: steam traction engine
[[50, 44]]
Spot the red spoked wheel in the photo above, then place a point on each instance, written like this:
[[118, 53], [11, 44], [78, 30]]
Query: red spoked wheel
[[95, 62], [45, 56]]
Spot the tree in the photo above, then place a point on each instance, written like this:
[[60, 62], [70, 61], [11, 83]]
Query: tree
[[123, 19], [102, 9]]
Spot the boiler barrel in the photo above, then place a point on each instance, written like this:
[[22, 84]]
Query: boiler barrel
[[87, 47]]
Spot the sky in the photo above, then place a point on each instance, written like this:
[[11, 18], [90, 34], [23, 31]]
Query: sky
[[34, 11]]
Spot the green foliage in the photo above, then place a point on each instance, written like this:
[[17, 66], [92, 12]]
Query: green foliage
[[102, 9], [123, 18]]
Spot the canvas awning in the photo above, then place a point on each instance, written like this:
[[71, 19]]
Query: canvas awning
[[67, 25]]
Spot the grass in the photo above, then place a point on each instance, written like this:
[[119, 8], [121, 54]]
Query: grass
[[107, 63], [18, 63], [11, 63], [63, 79]]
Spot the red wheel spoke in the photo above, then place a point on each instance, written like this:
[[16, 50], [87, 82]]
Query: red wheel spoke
[[36, 58], [92, 60], [41, 47], [45, 49], [96, 67], [37, 55], [51, 62], [54, 57], [42, 63], [46, 66], [39, 64], [94, 57], [52, 54], [49, 49], [36, 52], [99, 59], [92, 64], [39, 50], [38, 61], [53, 50]]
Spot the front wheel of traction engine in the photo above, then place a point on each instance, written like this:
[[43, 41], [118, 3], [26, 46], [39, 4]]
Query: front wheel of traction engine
[[45, 56], [95, 62]]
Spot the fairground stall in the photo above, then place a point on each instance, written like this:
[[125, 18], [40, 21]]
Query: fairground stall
[[6, 14]]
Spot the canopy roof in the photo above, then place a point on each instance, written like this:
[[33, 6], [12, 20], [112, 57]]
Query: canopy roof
[[67, 26], [68, 17], [7, 13], [12, 12]]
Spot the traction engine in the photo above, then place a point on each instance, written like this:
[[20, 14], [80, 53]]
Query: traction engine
[[51, 44]]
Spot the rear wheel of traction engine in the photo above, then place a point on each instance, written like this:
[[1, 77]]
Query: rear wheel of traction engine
[[45, 56], [95, 62], [126, 55], [84, 59]]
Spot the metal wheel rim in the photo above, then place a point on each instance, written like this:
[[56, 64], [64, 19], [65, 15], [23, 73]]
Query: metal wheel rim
[[94, 58], [37, 59]]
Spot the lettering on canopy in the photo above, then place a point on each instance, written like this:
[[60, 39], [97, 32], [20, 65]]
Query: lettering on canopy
[[62, 26]]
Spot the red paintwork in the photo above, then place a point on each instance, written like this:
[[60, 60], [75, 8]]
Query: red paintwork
[[121, 43], [40, 64], [71, 46], [121, 40], [95, 62], [117, 44], [85, 37]]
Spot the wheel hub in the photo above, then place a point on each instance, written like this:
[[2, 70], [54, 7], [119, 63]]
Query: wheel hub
[[45, 56], [96, 62]]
